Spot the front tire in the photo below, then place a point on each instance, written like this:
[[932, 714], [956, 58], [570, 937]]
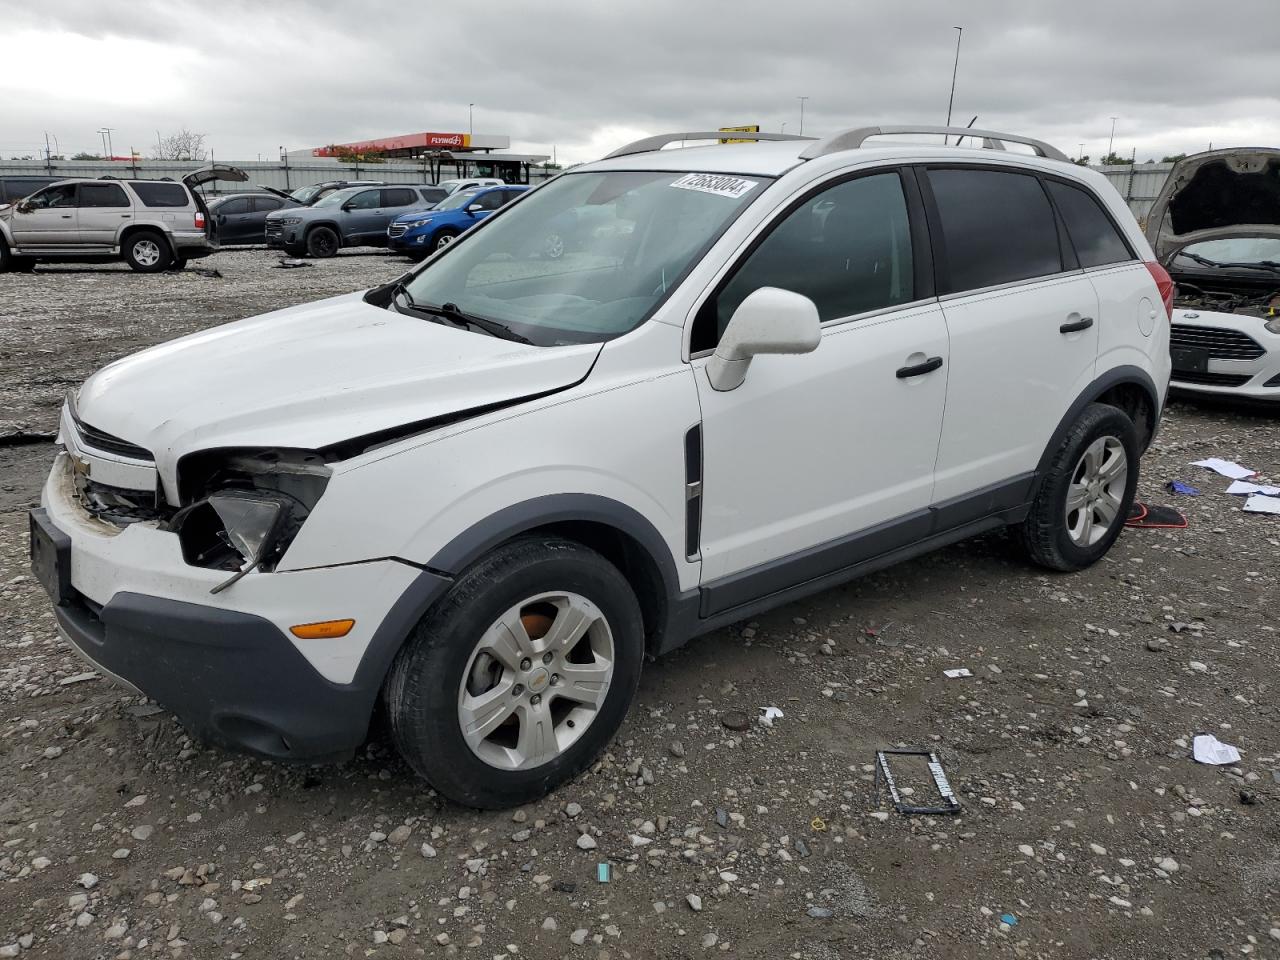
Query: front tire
[[147, 252], [443, 239], [517, 679], [323, 242], [1085, 495]]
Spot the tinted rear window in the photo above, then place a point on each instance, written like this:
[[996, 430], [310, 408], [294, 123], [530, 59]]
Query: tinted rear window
[[1095, 237], [398, 197], [267, 203], [161, 194], [998, 227]]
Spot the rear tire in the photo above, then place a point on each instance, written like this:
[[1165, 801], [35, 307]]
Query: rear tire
[[17, 264], [540, 644], [322, 242], [147, 252], [1085, 495]]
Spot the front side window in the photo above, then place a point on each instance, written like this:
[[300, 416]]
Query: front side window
[[623, 240], [63, 195], [848, 249], [491, 200], [235, 205], [102, 195], [366, 200], [1094, 236], [998, 227]]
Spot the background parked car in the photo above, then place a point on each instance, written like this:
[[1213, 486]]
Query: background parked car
[[308, 195], [354, 217], [1216, 229], [13, 189], [242, 217], [470, 183], [419, 235], [152, 225]]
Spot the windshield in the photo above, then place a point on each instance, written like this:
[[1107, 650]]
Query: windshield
[[456, 200], [337, 198], [1234, 250], [586, 257], [303, 194]]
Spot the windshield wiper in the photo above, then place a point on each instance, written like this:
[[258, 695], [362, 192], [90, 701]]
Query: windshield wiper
[[454, 314], [1255, 265]]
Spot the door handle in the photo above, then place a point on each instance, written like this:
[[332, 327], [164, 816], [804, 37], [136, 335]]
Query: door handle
[[1075, 326], [919, 369], [66, 216]]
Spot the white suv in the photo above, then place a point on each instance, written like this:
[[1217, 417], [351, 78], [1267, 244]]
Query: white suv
[[482, 494]]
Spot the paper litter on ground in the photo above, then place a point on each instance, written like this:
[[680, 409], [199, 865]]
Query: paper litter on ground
[[1206, 748], [1228, 468], [1242, 486], [1257, 503], [769, 714], [958, 672]]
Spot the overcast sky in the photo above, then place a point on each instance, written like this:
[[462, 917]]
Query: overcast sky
[[587, 75]]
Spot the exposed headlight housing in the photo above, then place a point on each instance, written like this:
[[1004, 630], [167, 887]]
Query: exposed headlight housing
[[1272, 325], [290, 221], [245, 507]]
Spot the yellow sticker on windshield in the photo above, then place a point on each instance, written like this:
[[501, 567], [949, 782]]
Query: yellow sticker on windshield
[[716, 183]]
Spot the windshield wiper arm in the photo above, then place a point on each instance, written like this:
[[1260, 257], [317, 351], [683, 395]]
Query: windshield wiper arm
[[452, 312], [1255, 265]]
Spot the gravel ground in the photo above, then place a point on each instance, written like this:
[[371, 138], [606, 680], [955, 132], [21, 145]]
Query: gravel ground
[[1084, 820]]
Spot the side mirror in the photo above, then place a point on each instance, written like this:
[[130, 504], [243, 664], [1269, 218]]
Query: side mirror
[[24, 206], [348, 207], [769, 320], [474, 208]]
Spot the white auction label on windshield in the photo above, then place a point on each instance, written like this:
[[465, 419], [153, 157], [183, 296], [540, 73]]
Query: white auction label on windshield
[[720, 185]]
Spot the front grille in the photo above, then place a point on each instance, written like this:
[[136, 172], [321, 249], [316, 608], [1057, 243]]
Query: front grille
[[397, 230], [1212, 379], [1221, 344], [274, 229], [105, 442]]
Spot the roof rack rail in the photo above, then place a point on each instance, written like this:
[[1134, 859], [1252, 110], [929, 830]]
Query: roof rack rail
[[661, 140], [854, 137]]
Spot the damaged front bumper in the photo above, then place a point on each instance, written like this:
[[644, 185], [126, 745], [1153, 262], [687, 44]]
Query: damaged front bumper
[[226, 664]]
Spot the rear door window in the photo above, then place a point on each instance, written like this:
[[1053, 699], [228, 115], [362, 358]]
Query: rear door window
[[267, 203], [161, 194], [103, 195], [1093, 234], [398, 197], [998, 227], [433, 194]]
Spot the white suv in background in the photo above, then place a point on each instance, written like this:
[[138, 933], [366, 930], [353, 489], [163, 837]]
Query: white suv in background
[[483, 493]]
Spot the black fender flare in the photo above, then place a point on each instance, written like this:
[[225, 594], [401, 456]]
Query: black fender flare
[[1115, 377], [475, 542]]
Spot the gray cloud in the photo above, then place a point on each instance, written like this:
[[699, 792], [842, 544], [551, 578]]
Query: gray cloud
[[255, 76]]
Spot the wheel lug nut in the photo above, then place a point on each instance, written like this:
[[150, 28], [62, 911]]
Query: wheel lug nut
[[555, 679], [526, 663], [535, 700], [546, 658], [517, 689]]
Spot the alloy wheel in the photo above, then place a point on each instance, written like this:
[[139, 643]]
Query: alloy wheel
[[146, 252], [1096, 491], [536, 680]]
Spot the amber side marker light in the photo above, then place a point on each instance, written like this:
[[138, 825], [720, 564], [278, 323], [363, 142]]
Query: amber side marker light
[[325, 630]]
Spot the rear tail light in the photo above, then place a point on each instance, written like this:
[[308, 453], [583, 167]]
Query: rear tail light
[[200, 222], [1164, 283]]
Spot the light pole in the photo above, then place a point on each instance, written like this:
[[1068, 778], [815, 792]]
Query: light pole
[[955, 68], [471, 119], [802, 100], [1112, 140], [1080, 154], [784, 127]]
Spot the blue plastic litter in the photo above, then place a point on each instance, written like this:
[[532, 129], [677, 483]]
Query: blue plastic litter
[[1177, 486], [1010, 919], [602, 872]]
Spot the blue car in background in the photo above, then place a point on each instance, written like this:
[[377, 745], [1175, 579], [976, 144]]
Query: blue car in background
[[422, 234]]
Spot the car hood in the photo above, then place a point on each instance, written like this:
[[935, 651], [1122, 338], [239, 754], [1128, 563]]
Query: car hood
[[312, 377], [1215, 196], [419, 214]]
